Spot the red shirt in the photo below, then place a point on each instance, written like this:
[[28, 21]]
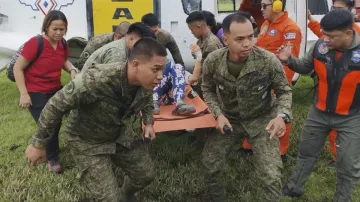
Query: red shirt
[[45, 73]]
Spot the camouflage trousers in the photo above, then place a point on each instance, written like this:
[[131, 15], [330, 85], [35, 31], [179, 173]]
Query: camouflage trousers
[[266, 160], [98, 178]]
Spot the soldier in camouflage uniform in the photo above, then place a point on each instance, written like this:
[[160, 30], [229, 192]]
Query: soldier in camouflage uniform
[[119, 50], [99, 41], [237, 83], [207, 43], [100, 129], [163, 37]]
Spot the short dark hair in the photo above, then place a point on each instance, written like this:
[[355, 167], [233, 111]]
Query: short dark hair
[[150, 20], [141, 30], [209, 17], [239, 17], [51, 16], [338, 19], [146, 48], [195, 16], [122, 28], [348, 3]]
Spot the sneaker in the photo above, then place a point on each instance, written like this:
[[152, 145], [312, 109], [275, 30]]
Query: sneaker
[[54, 166], [332, 164], [156, 108], [183, 109]]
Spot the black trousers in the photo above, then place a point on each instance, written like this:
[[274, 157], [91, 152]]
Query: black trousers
[[39, 101]]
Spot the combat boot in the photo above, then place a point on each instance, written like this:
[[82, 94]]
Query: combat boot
[[290, 193]]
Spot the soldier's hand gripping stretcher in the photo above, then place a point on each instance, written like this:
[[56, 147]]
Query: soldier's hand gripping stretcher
[[223, 125], [276, 126], [148, 133]]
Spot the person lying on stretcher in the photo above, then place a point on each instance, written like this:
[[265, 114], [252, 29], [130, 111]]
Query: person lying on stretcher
[[171, 90]]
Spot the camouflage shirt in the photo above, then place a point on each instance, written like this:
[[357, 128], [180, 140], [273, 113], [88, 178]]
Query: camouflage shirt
[[101, 102], [115, 51], [92, 45], [169, 42], [208, 45], [249, 95]]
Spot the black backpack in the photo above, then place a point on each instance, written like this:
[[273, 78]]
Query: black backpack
[[40, 48]]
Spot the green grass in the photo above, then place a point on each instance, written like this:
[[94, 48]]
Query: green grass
[[226, 7], [179, 174]]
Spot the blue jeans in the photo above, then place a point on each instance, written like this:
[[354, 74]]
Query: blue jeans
[[173, 79]]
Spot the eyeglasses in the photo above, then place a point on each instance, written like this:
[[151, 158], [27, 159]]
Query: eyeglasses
[[263, 5]]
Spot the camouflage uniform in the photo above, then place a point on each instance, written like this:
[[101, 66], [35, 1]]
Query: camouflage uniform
[[115, 51], [169, 42], [249, 106], [207, 45], [100, 130], [92, 45]]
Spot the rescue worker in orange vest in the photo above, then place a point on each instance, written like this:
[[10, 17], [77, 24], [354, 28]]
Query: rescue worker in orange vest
[[336, 104], [314, 26], [277, 30]]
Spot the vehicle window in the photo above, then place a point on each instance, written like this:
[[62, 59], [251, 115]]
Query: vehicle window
[[229, 6], [191, 5], [318, 7], [3, 18]]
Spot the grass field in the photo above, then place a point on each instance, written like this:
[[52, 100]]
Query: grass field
[[179, 174]]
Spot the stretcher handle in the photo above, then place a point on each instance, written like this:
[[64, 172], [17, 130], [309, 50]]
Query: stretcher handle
[[227, 130]]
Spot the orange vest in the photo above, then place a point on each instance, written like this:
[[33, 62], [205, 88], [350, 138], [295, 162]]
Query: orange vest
[[338, 89], [316, 28], [280, 32]]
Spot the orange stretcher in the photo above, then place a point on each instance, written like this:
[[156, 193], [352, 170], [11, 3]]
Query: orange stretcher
[[202, 118]]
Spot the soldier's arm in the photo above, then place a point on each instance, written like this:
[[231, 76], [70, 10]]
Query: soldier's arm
[[174, 50], [66, 99], [148, 110], [208, 50], [90, 61], [281, 87], [208, 88], [112, 55], [303, 65]]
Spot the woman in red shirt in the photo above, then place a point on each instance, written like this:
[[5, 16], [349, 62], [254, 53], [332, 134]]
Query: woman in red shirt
[[42, 79]]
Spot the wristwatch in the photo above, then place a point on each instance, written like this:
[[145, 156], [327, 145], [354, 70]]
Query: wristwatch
[[74, 69], [285, 117]]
